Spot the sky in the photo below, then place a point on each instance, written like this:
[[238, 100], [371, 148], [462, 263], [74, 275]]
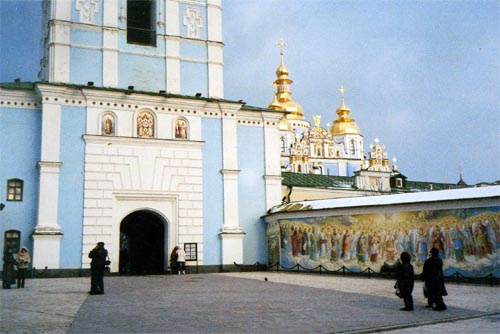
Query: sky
[[422, 76]]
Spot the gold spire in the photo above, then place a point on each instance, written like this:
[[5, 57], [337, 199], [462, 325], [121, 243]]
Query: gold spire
[[282, 95], [343, 125]]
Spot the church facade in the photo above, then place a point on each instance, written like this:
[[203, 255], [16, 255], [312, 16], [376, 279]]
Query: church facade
[[126, 138]]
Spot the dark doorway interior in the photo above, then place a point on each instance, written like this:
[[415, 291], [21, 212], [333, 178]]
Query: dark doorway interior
[[142, 235]]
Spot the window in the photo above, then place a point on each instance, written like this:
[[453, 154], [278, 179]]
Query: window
[[141, 27], [399, 182], [12, 238], [14, 190], [353, 147]]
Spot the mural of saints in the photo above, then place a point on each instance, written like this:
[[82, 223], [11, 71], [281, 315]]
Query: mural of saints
[[468, 240]]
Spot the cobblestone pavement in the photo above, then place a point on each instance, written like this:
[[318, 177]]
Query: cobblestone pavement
[[241, 303]]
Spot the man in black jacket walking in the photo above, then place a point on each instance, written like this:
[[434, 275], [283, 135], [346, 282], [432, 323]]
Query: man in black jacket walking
[[433, 277], [97, 265]]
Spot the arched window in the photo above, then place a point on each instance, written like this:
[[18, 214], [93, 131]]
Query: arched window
[[108, 124], [353, 147], [12, 238], [145, 125], [282, 144], [15, 190], [181, 129]]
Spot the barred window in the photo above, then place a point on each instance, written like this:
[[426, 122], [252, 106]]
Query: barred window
[[141, 28], [12, 238], [14, 190]]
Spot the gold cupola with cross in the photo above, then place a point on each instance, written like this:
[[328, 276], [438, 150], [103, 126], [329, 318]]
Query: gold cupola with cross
[[343, 125], [282, 96]]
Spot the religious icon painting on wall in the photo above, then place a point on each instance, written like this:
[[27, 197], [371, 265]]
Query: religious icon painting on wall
[[145, 125], [181, 131], [108, 125]]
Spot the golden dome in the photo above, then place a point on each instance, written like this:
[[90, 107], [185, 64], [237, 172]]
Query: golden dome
[[343, 125], [282, 94]]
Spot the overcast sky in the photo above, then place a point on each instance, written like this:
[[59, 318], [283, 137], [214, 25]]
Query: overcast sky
[[422, 76]]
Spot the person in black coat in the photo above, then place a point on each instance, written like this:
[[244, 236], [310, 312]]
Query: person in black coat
[[433, 277], [8, 273], [97, 266], [405, 277]]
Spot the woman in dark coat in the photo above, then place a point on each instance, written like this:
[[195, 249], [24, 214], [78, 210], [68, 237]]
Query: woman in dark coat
[[173, 260], [433, 277], [405, 277], [8, 273]]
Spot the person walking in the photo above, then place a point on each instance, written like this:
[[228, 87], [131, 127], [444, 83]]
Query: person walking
[[97, 266], [181, 260], [8, 273], [433, 277], [22, 261], [405, 279]]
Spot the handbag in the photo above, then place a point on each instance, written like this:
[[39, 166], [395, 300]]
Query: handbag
[[398, 292], [107, 262]]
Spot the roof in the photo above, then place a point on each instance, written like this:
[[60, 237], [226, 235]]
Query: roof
[[316, 181], [408, 198]]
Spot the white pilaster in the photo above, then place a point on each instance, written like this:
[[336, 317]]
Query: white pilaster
[[272, 154], [110, 14], [172, 24], [173, 79], [110, 58], [47, 234], [215, 71], [59, 52], [214, 20]]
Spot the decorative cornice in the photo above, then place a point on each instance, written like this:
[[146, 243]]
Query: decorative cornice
[[164, 143]]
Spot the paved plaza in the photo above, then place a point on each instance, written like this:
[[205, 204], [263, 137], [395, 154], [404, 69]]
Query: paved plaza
[[260, 302]]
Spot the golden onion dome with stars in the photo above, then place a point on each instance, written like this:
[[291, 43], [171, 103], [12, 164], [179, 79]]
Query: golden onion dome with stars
[[282, 95], [343, 125]]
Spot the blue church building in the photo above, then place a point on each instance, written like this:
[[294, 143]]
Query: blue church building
[[126, 138]]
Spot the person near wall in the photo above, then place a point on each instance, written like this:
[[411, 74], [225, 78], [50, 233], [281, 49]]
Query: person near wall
[[433, 277], [22, 261], [173, 260], [405, 279], [181, 260], [97, 267], [8, 273]]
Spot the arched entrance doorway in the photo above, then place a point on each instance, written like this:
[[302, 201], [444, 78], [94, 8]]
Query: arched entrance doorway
[[142, 244]]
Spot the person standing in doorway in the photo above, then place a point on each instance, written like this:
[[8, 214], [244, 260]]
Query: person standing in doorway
[[433, 277], [181, 260], [8, 273], [97, 266], [173, 260], [22, 261]]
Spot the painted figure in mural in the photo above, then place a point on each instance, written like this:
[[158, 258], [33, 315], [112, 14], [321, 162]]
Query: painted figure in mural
[[334, 255], [314, 244], [374, 249], [433, 277], [467, 239], [361, 249], [405, 280], [346, 246], [283, 236], [490, 234], [8, 273], [304, 249], [180, 129], [458, 244], [22, 261], [390, 248], [322, 243], [449, 249], [97, 265], [438, 240], [295, 243], [422, 246], [481, 242], [354, 244]]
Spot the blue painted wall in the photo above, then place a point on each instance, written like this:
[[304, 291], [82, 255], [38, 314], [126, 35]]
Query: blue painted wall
[[194, 78], [213, 208], [20, 136], [86, 65], [251, 193], [144, 73], [71, 185]]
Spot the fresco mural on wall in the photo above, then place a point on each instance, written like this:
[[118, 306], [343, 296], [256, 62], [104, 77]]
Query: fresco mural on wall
[[468, 240]]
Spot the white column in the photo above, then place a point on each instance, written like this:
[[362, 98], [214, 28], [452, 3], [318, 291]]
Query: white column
[[47, 234], [172, 45], [59, 41], [272, 154], [215, 50], [110, 44], [231, 233]]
